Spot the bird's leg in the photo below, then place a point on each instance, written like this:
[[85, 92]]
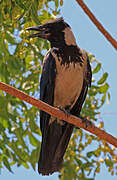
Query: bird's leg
[[86, 121], [66, 111]]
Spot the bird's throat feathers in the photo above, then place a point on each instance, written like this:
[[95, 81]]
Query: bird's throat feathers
[[68, 54]]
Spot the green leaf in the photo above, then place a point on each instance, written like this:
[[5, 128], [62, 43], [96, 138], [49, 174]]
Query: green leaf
[[103, 99], [6, 163], [79, 162], [21, 5], [33, 140], [29, 58], [86, 165], [25, 165], [103, 79], [97, 68], [10, 38], [19, 135], [104, 88], [108, 162], [93, 90], [34, 14], [34, 127], [56, 4], [16, 150], [33, 157], [108, 98], [5, 123], [89, 154], [1, 16]]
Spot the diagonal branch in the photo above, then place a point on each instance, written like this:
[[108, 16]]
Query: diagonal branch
[[59, 114], [97, 23]]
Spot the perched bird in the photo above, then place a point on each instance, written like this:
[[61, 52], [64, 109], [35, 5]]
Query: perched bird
[[65, 78]]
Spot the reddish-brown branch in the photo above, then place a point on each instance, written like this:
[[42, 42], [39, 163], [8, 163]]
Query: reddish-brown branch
[[97, 23], [57, 113]]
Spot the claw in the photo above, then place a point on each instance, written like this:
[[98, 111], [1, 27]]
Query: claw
[[87, 122], [67, 112]]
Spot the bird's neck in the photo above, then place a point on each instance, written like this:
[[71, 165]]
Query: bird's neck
[[58, 44], [67, 53]]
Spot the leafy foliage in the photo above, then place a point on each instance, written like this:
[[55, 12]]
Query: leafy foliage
[[20, 66]]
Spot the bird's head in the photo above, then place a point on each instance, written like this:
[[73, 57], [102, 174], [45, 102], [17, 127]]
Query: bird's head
[[57, 31]]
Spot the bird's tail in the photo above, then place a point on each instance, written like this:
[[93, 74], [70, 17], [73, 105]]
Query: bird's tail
[[55, 139]]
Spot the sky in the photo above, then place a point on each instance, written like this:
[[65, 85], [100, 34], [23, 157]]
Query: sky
[[89, 38]]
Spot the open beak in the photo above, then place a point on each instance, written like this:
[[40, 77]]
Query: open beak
[[42, 32]]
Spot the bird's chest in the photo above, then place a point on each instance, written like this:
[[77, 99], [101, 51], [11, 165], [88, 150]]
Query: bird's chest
[[68, 84]]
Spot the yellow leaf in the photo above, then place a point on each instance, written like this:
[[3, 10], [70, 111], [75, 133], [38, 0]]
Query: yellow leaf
[[61, 2]]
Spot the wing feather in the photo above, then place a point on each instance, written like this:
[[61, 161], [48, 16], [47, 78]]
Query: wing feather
[[47, 84], [87, 82]]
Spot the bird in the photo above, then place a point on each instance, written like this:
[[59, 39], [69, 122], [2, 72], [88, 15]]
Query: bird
[[65, 78]]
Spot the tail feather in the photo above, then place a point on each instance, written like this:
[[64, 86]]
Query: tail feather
[[55, 140]]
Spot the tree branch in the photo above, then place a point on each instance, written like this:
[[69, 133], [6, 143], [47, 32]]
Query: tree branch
[[97, 23], [59, 114]]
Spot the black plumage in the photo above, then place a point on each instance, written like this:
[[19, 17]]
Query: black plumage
[[65, 78]]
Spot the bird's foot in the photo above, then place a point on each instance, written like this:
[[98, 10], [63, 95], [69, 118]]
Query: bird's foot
[[67, 112], [86, 121]]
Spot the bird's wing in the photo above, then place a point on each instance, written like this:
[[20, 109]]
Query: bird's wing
[[87, 82], [47, 84]]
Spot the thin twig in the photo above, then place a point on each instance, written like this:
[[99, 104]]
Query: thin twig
[[57, 113], [110, 150], [97, 23]]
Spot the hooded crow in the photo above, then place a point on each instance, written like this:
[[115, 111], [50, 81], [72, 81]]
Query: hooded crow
[[65, 78]]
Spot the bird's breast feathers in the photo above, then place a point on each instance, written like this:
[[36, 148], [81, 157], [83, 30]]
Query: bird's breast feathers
[[68, 82]]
